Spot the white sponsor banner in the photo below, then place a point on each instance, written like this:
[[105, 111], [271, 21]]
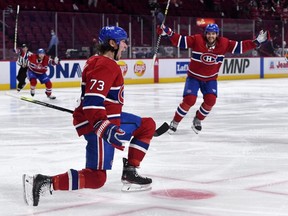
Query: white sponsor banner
[[136, 68], [5, 72], [275, 66], [72, 70], [240, 66], [229, 67]]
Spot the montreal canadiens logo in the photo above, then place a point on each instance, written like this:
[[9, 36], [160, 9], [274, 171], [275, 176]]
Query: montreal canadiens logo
[[121, 95], [208, 58]]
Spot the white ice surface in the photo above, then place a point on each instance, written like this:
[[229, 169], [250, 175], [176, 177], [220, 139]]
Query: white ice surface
[[240, 158]]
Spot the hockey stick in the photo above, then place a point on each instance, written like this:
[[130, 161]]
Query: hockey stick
[[16, 28], [31, 100], [159, 37], [161, 130]]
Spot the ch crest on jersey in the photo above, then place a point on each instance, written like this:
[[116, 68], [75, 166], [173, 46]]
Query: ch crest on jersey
[[208, 58]]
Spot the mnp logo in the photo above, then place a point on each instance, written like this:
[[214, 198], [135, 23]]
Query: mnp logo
[[139, 68], [65, 71], [182, 67], [123, 67]]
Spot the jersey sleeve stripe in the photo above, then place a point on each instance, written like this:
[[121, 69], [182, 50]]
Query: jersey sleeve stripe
[[238, 48], [81, 124], [113, 116]]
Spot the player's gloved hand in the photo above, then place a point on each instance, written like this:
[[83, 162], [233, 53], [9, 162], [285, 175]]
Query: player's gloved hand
[[262, 37], [56, 60], [110, 133], [164, 30]]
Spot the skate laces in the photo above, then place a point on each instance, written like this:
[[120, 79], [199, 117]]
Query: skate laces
[[45, 188]]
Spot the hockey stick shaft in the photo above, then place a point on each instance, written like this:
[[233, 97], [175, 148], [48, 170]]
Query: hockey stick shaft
[[16, 27], [159, 131], [159, 37], [46, 104]]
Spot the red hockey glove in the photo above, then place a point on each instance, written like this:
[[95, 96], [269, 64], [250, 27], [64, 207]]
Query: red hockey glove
[[110, 133], [164, 30], [262, 37]]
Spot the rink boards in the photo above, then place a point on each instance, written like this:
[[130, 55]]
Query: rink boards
[[141, 71]]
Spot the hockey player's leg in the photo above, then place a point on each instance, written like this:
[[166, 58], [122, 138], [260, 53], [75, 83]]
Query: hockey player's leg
[[204, 110], [33, 83], [78, 179], [182, 110], [138, 147], [39, 185], [21, 77], [48, 91]]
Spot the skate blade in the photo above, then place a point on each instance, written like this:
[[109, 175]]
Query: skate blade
[[135, 187], [195, 130], [171, 132], [27, 189]]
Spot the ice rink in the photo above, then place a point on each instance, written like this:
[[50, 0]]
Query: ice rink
[[237, 165]]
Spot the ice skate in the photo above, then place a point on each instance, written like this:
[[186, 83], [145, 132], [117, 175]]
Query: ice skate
[[20, 87], [132, 181], [50, 96], [196, 125], [173, 127], [32, 92], [36, 186]]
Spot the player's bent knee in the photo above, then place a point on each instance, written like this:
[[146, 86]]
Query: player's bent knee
[[93, 178], [150, 124], [188, 101], [210, 100], [146, 129]]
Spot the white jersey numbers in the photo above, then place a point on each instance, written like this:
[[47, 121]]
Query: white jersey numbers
[[98, 84]]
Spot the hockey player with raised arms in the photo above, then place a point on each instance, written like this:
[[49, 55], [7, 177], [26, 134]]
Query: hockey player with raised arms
[[208, 52], [99, 118]]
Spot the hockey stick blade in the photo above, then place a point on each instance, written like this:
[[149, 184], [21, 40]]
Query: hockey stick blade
[[162, 129]]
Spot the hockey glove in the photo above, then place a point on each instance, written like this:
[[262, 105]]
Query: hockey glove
[[56, 60], [110, 133], [262, 37], [164, 30]]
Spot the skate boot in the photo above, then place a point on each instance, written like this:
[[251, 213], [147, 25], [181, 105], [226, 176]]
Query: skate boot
[[50, 96], [196, 125], [173, 127], [132, 181], [32, 92], [36, 186]]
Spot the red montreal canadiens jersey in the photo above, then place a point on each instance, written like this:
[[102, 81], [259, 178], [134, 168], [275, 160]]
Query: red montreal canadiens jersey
[[205, 63], [37, 66], [102, 94]]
